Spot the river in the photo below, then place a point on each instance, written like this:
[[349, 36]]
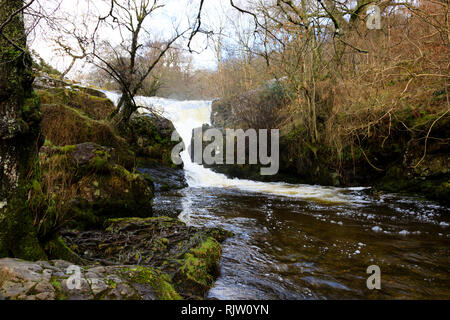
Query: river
[[308, 242]]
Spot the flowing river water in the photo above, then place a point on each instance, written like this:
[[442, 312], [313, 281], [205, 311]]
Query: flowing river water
[[309, 242]]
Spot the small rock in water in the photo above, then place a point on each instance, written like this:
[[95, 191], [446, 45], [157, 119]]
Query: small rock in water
[[404, 232]]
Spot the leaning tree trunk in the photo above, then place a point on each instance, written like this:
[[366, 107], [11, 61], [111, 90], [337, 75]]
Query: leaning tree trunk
[[123, 113], [19, 139]]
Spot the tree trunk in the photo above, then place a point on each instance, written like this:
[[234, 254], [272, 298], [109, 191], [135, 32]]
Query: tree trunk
[[125, 110], [20, 139]]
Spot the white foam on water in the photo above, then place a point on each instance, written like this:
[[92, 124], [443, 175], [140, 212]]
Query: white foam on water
[[187, 115]]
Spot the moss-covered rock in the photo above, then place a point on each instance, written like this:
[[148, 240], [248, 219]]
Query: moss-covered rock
[[199, 267], [151, 140], [84, 186], [160, 283], [94, 106], [56, 248], [66, 123], [74, 115], [175, 259]]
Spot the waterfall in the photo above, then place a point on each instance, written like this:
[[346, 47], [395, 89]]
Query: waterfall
[[187, 115]]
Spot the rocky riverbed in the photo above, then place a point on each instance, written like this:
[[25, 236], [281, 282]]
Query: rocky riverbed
[[155, 258]]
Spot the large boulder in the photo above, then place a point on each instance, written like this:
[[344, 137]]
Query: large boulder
[[73, 117], [152, 142], [165, 178], [84, 185]]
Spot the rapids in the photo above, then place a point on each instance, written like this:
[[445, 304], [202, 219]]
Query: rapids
[[308, 242]]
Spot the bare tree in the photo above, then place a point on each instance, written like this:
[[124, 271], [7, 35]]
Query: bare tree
[[131, 60]]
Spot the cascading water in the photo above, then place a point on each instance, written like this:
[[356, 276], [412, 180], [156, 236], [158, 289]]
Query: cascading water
[[187, 115], [302, 242]]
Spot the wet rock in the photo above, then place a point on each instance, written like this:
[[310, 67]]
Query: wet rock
[[221, 113], [186, 257], [165, 178], [433, 166], [149, 259]]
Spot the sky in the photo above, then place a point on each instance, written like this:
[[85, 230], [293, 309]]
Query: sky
[[175, 12]]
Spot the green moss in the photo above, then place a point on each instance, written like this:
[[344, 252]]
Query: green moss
[[57, 249], [100, 164], [111, 283], [36, 186], [124, 173], [196, 271], [56, 284], [22, 241], [99, 99], [160, 244], [59, 294], [29, 248], [199, 266], [159, 281], [220, 234], [209, 251], [67, 149], [31, 110]]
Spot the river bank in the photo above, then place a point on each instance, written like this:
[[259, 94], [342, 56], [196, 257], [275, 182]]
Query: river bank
[[405, 150]]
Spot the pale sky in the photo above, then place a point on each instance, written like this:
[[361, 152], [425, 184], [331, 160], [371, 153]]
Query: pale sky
[[175, 12]]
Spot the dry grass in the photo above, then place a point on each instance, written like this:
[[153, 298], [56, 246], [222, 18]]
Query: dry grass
[[50, 200], [78, 122], [96, 108], [63, 125]]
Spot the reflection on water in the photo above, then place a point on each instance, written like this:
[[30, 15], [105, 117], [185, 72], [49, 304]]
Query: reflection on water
[[290, 248]]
